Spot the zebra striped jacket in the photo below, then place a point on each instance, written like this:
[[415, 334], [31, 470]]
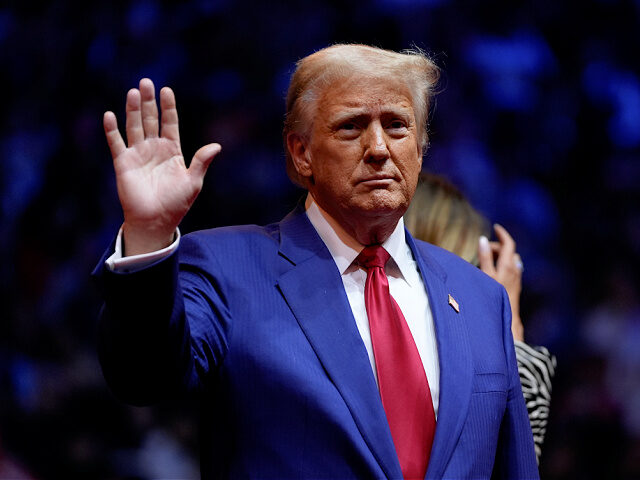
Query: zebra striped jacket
[[536, 367]]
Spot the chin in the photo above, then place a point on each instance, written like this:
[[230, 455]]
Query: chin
[[384, 204]]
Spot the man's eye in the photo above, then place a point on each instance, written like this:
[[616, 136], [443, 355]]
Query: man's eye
[[348, 126], [397, 124]]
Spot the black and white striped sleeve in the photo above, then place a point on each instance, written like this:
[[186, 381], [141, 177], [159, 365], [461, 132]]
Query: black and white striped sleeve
[[536, 367]]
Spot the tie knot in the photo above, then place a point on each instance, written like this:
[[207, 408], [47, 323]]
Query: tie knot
[[373, 256]]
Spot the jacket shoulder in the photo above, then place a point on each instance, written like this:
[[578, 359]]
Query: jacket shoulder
[[234, 238], [454, 268]]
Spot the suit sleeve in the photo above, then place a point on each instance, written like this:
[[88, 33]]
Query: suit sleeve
[[154, 339], [515, 455]]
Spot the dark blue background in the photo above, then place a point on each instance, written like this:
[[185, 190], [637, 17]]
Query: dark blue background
[[538, 122]]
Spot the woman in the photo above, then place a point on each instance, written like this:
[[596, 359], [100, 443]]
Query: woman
[[441, 215]]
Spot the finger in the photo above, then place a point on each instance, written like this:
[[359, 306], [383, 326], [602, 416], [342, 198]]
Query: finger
[[149, 108], [485, 256], [495, 249], [505, 257], [169, 128], [202, 159], [518, 262], [114, 139], [135, 133], [515, 275]]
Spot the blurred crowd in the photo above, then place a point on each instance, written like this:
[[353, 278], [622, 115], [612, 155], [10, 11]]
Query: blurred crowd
[[537, 122]]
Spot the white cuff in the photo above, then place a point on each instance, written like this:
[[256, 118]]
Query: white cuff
[[119, 264]]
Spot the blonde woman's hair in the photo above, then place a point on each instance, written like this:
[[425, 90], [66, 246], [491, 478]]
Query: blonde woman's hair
[[321, 69], [441, 215]]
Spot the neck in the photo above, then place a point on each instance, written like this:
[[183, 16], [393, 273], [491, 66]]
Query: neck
[[364, 231]]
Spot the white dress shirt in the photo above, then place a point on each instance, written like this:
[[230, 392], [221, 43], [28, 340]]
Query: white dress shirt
[[405, 284]]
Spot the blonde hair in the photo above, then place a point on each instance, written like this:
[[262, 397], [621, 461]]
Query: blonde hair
[[317, 71], [441, 215]]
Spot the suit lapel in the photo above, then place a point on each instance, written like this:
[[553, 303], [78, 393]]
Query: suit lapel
[[454, 354], [314, 291]]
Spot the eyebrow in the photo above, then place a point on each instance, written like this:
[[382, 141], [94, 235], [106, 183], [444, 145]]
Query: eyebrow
[[363, 113]]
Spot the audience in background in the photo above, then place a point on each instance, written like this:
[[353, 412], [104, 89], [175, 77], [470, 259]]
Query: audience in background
[[538, 124]]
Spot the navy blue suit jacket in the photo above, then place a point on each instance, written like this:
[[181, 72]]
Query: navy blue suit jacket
[[256, 319]]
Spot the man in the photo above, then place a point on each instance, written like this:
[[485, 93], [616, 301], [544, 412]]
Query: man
[[307, 366]]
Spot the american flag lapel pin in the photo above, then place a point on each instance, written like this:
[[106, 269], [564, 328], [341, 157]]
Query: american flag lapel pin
[[454, 304]]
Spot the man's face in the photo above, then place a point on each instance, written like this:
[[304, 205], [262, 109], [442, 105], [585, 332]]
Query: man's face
[[364, 151]]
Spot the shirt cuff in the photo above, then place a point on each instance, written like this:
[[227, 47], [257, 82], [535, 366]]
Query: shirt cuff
[[119, 264]]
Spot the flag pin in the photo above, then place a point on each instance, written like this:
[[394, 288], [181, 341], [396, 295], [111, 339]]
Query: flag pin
[[454, 304]]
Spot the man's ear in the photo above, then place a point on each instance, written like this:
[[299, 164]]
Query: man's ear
[[297, 146]]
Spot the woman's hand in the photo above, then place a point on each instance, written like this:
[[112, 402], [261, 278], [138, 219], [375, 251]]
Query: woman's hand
[[501, 262]]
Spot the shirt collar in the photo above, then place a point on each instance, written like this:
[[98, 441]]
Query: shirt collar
[[344, 248]]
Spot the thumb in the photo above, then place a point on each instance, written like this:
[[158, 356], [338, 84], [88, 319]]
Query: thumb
[[485, 256], [202, 159]]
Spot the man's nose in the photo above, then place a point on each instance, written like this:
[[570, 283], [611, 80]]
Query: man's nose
[[376, 143]]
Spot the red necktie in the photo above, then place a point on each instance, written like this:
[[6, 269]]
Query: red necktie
[[404, 388]]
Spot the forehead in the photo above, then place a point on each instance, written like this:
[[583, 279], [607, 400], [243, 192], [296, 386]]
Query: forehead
[[364, 93]]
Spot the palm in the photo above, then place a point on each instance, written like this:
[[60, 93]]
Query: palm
[[155, 187], [153, 182]]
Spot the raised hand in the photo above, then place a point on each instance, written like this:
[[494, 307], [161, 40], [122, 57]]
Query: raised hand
[[506, 269], [155, 187]]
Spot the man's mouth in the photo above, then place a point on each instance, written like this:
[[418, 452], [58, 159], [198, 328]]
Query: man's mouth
[[377, 181]]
